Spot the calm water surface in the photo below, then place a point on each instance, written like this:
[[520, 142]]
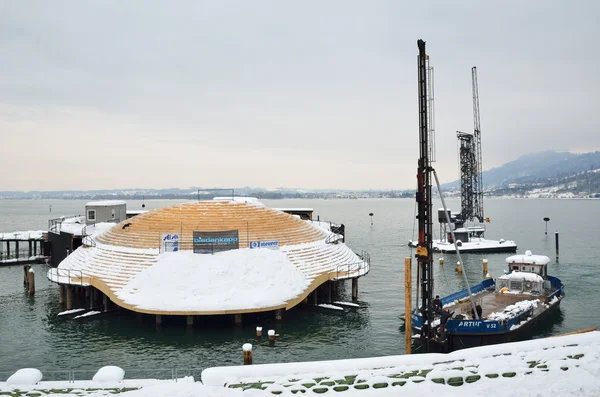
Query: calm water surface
[[31, 334]]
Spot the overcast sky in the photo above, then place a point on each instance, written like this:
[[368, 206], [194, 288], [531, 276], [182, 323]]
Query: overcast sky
[[313, 94]]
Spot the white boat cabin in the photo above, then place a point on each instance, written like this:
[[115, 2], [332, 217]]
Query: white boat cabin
[[527, 274]]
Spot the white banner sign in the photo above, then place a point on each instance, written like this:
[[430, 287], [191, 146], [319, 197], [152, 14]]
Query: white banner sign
[[271, 244], [170, 242]]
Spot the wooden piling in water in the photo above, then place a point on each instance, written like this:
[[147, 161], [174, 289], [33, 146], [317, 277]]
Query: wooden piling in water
[[271, 334], [458, 268], [408, 304], [31, 283], [556, 241], [278, 314], [61, 294], [247, 348], [354, 289], [258, 333], [237, 318], [485, 266], [69, 297], [441, 261]]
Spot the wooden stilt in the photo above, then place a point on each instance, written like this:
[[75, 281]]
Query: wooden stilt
[[190, 321], [69, 297], [61, 294], [408, 304], [31, 282], [354, 288]]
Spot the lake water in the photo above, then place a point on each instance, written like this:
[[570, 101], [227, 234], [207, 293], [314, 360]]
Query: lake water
[[31, 334]]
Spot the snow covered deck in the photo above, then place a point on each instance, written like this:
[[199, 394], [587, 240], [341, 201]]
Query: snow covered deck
[[126, 262], [476, 244]]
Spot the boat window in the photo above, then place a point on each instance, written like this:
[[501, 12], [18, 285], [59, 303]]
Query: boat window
[[515, 267], [113, 213], [91, 215]]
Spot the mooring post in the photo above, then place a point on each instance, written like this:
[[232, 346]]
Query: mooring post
[[259, 333], [247, 348], [31, 282], [61, 294], [237, 318], [408, 304], [25, 274], [556, 240], [441, 261], [271, 334], [69, 297], [105, 302], [278, 314], [485, 266], [354, 289], [458, 268]]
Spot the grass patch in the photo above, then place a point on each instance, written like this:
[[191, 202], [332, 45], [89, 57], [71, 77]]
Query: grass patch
[[472, 378], [576, 357], [492, 376], [380, 385], [361, 386], [509, 374], [399, 383], [441, 381], [341, 388], [320, 390], [564, 368], [456, 381], [308, 385]]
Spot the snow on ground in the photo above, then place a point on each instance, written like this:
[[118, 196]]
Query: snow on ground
[[567, 366], [230, 280]]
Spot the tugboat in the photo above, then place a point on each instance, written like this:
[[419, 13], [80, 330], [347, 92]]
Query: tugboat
[[469, 224], [505, 308], [491, 311]]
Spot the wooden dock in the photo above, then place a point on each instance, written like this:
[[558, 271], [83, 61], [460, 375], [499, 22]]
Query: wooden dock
[[18, 248]]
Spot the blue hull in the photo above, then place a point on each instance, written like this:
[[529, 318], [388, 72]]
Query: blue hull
[[462, 334]]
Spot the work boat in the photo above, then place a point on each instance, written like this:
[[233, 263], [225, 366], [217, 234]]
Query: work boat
[[469, 237], [497, 311]]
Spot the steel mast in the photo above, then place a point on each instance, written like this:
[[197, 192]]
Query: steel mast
[[477, 176], [424, 197]]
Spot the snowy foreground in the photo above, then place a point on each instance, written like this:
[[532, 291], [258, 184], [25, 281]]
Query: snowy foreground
[[562, 366]]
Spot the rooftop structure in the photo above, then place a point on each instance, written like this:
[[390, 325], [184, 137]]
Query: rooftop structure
[[211, 257]]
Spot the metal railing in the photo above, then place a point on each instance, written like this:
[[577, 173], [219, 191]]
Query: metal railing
[[356, 269], [55, 274], [54, 224]]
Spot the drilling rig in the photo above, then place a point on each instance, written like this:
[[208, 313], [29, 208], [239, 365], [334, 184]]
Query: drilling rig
[[423, 196], [471, 183]]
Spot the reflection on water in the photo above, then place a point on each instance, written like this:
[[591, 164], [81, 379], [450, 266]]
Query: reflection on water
[[31, 334]]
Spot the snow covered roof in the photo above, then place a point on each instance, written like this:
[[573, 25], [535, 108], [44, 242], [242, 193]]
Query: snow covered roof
[[529, 259], [127, 261], [241, 199], [105, 203], [295, 209], [526, 276]]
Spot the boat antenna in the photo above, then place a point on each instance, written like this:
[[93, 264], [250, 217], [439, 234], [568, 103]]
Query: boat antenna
[[424, 200], [447, 214]]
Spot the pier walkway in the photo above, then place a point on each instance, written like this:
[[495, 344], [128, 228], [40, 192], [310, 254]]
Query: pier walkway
[[18, 248]]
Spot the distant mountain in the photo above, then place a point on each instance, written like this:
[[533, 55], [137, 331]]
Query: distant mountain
[[537, 168]]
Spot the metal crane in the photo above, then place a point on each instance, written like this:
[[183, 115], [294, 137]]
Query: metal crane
[[471, 183]]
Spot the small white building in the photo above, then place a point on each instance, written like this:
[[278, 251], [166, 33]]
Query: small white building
[[105, 211]]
